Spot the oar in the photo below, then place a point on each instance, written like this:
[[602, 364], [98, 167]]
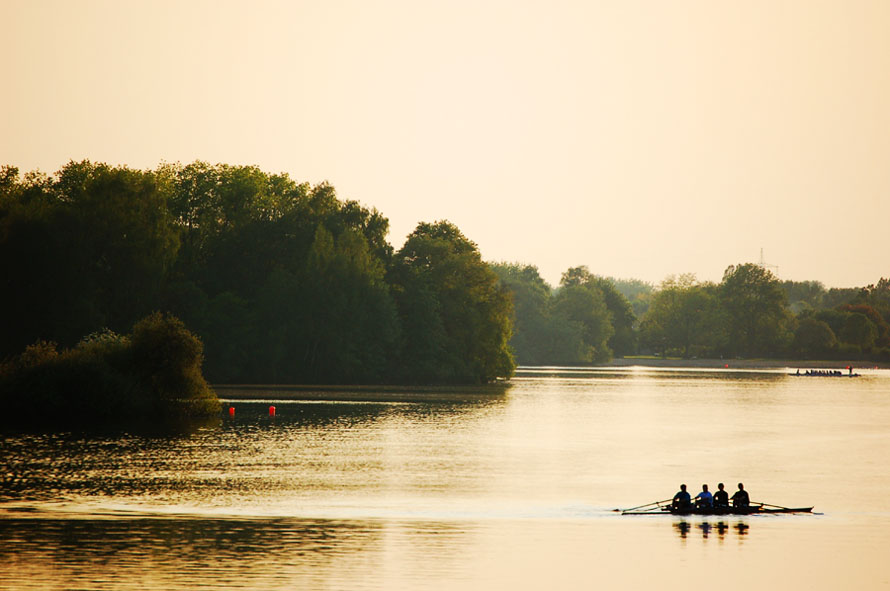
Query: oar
[[776, 506], [643, 506], [768, 505]]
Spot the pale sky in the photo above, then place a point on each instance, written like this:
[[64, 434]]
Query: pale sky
[[639, 138]]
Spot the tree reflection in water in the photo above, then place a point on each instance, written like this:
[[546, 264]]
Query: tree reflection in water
[[721, 528]]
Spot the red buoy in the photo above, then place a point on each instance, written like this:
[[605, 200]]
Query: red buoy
[[231, 411], [271, 411]]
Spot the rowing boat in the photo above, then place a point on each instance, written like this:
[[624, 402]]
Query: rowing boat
[[824, 375], [666, 508]]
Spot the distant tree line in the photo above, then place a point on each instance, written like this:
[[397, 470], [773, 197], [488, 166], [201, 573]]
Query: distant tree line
[[750, 313], [282, 281]]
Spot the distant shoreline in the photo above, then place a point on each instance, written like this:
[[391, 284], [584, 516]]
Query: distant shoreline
[[743, 363]]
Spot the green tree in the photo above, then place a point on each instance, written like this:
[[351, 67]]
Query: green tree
[[813, 338], [584, 309], [804, 295], [684, 316], [754, 302], [351, 327], [88, 249], [858, 330], [878, 296], [838, 296], [457, 317], [622, 340], [168, 357], [882, 336], [531, 304], [126, 240], [549, 329], [637, 292]]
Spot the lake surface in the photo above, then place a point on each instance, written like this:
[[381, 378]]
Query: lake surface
[[488, 488]]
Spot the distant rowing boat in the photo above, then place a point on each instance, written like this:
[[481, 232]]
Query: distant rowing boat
[[665, 508], [824, 374]]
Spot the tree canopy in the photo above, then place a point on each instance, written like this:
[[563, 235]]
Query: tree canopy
[[443, 288], [684, 316], [758, 322], [283, 281]]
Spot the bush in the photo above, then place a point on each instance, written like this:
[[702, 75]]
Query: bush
[[167, 357], [154, 373]]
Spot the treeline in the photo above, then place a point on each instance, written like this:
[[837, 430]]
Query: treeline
[[585, 320], [282, 281], [750, 313]]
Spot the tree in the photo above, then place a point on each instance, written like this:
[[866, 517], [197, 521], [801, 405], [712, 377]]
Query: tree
[[531, 305], [878, 296], [637, 292], [753, 299], [582, 309], [457, 317], [622, 340], [813, 338], [684, 315], [882, 335], [349, 319], [858, 330], [804, 295], [570, 327], [86, 250]]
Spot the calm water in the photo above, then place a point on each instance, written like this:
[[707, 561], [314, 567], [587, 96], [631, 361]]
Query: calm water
[[487, 489]]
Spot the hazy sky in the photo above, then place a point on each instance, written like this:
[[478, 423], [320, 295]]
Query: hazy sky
[[638, 138]]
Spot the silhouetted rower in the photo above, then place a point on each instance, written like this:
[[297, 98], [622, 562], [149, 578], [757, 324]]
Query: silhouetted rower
[[704, 498], [740, 498], [682, 500], [721, 497]]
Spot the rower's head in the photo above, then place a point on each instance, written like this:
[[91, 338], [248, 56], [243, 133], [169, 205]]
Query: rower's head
[[741, 486], [704, 487], [720, 486], [683, 487]]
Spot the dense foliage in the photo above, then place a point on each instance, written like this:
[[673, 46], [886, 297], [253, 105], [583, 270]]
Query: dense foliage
[[282, 281], [285, 283], [750, 313], [585, 320], [457, 318], [152, 373]]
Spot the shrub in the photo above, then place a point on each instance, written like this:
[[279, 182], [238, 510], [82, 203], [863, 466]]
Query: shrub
[[167, 357], [154, 373]]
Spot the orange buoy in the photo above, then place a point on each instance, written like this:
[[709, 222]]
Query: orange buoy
[[231, 411], [271, 411]]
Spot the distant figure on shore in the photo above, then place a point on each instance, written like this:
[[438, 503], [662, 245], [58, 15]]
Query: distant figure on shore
[[740, 498], [681, 500], [704, 498], [721, 497]]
